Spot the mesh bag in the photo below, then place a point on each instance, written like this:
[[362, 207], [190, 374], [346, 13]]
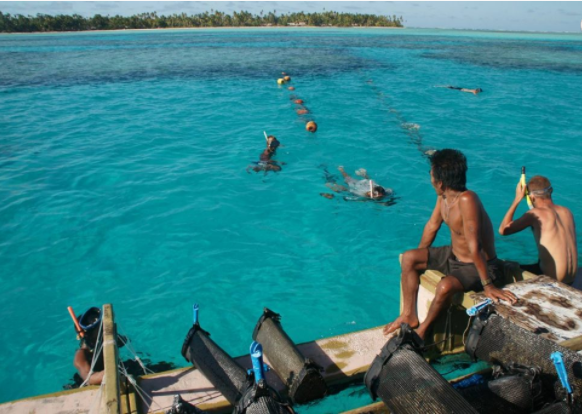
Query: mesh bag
[[496, 340], [406, 383], [486, 401], [559, 408], [302, 376], [217, 366], [261, 399]]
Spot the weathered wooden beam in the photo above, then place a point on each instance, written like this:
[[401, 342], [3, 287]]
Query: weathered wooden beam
[[376, 408], [110, 403], [574, 344]]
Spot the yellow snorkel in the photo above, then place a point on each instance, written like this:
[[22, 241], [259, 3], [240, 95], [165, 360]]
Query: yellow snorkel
[[371, 190], [523, 184], [266, 136]]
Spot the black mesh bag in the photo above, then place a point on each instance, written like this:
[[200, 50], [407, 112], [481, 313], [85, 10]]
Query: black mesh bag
[[261, 399], [301, 375], [407, 384], [217, 366], [498, 341]]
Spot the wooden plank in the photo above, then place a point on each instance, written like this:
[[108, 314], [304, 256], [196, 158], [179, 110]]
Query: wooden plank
[[111, 386], [78, 401], [574, 344], [376, 408]]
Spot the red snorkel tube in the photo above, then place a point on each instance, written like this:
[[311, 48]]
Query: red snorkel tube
[[76, 322]]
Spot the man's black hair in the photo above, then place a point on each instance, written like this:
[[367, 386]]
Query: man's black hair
[[380, 190], [450, 167]]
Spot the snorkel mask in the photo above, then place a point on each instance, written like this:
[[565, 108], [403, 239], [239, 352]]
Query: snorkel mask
[[542, 192], [90, 319]]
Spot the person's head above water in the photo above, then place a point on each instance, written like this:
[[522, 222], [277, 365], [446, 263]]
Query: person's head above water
[[90, 321], [448, 170], [379, 192], [540, 187], [272, 143]]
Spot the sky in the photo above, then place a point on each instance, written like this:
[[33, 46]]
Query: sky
[[538, 16]]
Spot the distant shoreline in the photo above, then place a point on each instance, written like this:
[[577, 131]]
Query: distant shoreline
[[206, 28]]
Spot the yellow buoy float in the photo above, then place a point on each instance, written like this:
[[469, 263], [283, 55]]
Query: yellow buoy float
[[311, 126], [280, 81]]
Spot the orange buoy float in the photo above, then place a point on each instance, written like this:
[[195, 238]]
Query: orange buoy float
[[291, 88], [311, 126], [302, 111], [299, 101], [287, 78]]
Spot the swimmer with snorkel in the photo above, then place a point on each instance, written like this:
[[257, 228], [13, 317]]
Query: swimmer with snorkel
[[457, 88], [266, 163], [365, 188]]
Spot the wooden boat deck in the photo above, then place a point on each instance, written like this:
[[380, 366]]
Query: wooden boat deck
[[547, 307], [344, 359]]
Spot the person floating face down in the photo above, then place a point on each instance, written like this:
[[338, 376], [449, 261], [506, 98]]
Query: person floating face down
[[473, 91], [553, 229], [90, 323], [266, 163], [365, 188]]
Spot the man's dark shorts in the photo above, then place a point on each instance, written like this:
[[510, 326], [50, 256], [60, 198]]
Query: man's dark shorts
[[443, 260]]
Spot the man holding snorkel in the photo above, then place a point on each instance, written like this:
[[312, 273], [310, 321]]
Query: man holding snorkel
[[469, 263], [553, 228]]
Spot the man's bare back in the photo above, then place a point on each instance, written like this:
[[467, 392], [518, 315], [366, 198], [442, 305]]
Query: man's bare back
[[557, 249], [452, 216], [553, 228]]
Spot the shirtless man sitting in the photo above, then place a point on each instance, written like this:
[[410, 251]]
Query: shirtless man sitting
[[553, 229], [469, 263]]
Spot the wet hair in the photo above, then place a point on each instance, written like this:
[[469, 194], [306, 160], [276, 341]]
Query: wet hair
[[273, 143], [450, 167], [380, 190], [540, 186], [479, 90]]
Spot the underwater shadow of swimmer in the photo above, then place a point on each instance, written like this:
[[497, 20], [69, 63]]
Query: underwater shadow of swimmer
[[385, 201]]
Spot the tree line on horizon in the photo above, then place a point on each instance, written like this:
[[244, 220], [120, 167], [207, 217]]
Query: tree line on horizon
[[19, 23]]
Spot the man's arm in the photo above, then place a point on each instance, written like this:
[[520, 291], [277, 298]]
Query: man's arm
[[508, 225], [83, 366], [468, 206], [432, 227]]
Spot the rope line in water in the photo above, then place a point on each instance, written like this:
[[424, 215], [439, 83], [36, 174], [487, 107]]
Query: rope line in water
[[127, 343]]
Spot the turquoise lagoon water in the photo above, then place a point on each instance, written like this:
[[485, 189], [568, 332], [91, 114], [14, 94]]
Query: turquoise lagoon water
[[122, 176]]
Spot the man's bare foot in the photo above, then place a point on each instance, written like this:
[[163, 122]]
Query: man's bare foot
[[410, 320], [421, 332]]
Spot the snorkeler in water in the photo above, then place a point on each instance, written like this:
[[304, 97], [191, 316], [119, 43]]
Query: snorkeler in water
[[266, 163], [457, 88], [365, 188]]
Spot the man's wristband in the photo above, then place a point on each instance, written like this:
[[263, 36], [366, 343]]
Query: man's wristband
[[486, 282]]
